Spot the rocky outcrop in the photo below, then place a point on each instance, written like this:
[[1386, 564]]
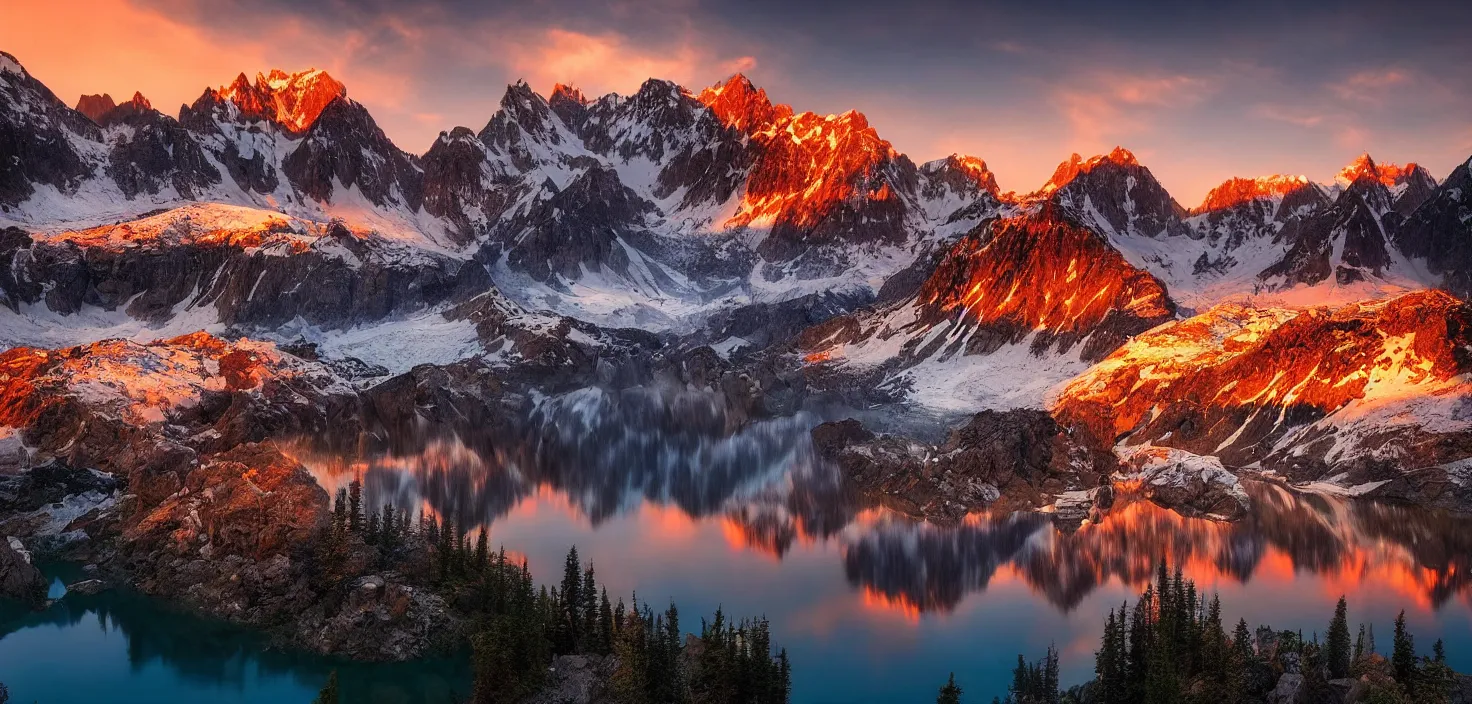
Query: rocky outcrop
[[344, 148], [1046, 279], [1189, 484], [19, 579], [1364, 393]]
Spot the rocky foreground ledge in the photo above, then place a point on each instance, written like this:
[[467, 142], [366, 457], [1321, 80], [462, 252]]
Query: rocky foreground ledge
[[155, 463]]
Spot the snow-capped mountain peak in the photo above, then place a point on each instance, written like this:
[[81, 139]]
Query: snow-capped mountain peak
[[741, 105], [1236, 191], [292, 100]]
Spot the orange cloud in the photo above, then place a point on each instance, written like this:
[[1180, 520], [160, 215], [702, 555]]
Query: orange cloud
[[1107, 107], [1292, 117], [1370, 86]]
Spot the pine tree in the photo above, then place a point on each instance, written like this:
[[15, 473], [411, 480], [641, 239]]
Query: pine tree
[[371, 531], [1403, 657], [355, 506], [605, 624], [340, 510], [588, 595], [950, 693], [1336, 647], [444, 549], [572, 583], [389, 539], [328, 695], [1107, 664], [1359, 646], [482, 550]]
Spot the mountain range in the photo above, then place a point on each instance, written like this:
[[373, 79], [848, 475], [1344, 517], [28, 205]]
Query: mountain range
[[1312, 331]]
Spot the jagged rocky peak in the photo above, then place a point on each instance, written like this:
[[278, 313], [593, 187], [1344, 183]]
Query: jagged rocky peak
[[740, 105], [569, 93], [1386, 174], [95, 106], [123, 112], [292, 100], [569, 104], [1236, 191], [9, 64], [523, 113], [1115, 193], [1075, 165], [1042, 275], [965, 169]]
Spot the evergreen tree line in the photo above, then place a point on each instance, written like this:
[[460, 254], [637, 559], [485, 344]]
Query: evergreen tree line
[[1171, 647], [519, 628]]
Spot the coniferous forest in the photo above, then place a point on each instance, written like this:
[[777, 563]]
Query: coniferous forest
[[523, 634], [1173, 646]]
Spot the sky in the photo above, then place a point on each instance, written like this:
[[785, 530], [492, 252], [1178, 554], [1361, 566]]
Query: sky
[[1200, 92]]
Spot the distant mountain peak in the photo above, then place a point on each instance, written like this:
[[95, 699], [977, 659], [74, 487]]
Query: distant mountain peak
[[1075, 165], [566, 92], [102, 110], [1235, 191], [1387, 174], [9, 64], [293, 100], [95, 106], [740, 105], [972, 168]]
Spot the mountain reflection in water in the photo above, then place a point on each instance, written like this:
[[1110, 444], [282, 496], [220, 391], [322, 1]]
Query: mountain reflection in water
[[679, 460]]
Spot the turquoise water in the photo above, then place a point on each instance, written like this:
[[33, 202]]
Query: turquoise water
[[122, 648], [871, 606]]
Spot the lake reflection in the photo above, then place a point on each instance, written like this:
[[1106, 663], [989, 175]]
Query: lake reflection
[[678, 502]]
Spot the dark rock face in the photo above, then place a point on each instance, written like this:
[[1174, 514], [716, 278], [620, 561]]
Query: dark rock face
[[255, 281], [48, 483], [1003, 460], [157, 153], [1119, 190], [19, 580], [1437, 232], [38, 135], [345, 146], [455, 186], [578, 229], [1357, 219]]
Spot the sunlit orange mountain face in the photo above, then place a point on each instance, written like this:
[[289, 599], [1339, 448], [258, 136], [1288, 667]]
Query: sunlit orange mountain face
[[743, 352]]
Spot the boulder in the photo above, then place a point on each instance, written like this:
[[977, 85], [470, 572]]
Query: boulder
[[1288, 690], [577, 679], [19, 579], [1192, 485]]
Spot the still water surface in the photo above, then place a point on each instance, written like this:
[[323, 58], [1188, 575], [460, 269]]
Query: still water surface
[[676, 502]]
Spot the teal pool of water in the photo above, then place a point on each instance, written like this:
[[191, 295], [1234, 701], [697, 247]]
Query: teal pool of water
[[124, 648]]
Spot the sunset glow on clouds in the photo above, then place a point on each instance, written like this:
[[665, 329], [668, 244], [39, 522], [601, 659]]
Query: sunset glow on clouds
[[1200, 94]]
